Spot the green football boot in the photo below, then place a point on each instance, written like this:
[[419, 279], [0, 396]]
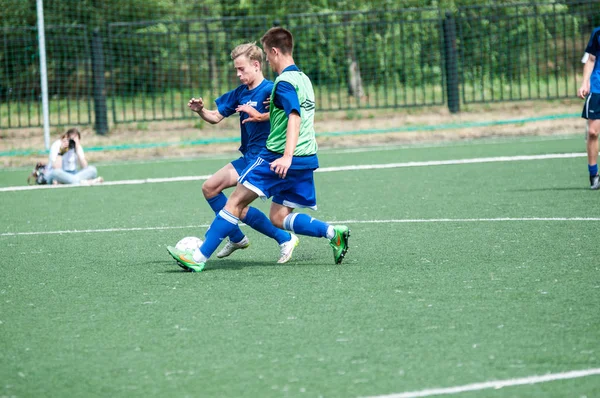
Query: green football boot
[[185, 259], [339, 243]]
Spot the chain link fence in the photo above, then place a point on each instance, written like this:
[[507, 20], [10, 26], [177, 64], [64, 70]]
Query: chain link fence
[[109, 72]]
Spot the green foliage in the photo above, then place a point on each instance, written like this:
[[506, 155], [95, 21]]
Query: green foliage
[[519, 42], [17, 13], [156, 47]]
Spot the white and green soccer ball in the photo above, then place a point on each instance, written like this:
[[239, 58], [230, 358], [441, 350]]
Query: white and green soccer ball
[[189, 243]]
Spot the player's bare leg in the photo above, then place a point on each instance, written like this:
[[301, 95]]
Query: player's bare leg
[[592, 151]]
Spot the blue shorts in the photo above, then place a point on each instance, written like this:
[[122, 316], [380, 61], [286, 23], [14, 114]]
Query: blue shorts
[[296, 190], [591, 107], [244, 161]]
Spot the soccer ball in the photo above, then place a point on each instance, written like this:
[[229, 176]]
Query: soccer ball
[[189, 243]]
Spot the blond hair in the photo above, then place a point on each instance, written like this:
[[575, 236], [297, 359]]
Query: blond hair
[[250, 50]]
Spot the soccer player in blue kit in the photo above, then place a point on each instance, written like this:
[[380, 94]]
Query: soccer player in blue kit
[[249, 101], [590, 91], [283, 170]]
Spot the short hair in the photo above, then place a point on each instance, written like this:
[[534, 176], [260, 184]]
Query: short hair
[[250, 50], [280, 38], [73, 131]]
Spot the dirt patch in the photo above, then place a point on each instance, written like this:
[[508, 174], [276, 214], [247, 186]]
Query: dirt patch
[[171, 139]]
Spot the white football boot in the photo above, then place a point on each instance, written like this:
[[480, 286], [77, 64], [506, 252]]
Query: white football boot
[[230, 247], [287, 248]]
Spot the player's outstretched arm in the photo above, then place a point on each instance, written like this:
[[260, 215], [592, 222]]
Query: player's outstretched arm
[[197, 105]]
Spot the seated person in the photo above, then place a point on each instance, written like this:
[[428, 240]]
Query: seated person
[[65, 154]]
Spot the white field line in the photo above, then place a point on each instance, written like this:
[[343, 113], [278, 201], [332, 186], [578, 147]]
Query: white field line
[[89, 231], [405, 221], [453, 162], [325, 170], [494, 384], [436, 220], [122, 182]]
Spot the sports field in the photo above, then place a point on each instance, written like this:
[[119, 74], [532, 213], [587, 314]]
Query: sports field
[[473, 269]]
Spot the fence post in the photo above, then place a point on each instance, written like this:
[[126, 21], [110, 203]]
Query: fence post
[[449, 26], [99, 86], [43, 72]]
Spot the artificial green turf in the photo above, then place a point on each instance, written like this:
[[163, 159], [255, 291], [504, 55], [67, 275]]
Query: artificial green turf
[[415, 305]]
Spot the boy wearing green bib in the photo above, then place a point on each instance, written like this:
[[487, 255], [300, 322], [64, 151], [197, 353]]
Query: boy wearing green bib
[[284, 170]]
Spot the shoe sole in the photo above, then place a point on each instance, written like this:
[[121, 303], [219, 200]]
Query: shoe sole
[[345, 237], [183, 265], [187, 268]]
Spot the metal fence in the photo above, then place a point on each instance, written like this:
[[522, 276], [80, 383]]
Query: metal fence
[[69, 77], [156, 67], [523, 51], [147, 71], [382, 59]]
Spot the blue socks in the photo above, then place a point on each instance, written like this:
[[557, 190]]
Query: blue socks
[[223, 224], [254, 218], [260, 222], [593, 170], [217, 204], [226, 224], [304, 224]]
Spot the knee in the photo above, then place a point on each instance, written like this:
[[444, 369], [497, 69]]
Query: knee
[[209, 190], [93, 171], [593, 133]]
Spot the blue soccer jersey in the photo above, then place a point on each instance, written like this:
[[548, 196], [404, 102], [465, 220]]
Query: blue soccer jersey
[[253, 135], [593, 48]]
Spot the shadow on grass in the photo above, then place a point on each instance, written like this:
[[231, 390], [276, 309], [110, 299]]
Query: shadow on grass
[[302, 259], [237, 265]]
